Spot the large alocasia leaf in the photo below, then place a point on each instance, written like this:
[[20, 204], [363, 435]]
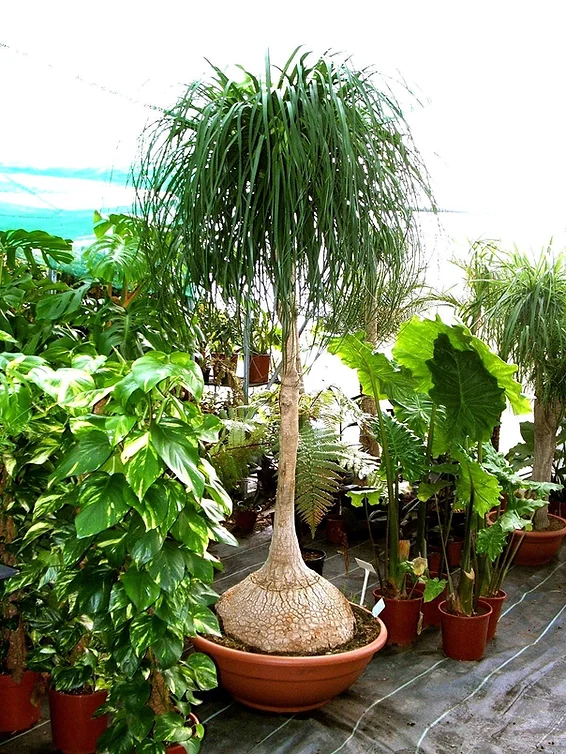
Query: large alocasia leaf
[[474, 479], [378, 376], [472, 398], [415, 346]]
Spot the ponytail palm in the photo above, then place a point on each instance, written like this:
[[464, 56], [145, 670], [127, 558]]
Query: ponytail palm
[[282, 189], [519, 303]]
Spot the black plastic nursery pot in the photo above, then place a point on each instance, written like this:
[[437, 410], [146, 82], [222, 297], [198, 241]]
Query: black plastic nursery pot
[[314, 558]]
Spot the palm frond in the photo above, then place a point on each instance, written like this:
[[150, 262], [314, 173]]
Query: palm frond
[[304, 187]]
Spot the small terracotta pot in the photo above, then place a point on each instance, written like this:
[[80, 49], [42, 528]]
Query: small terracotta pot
[[17, 711], [245, 520], [496, 604], [314, 559], [259, 368], [73, 729], [465, 637], [430, 611], [401, 618], [287, 684], [336, 529], [453, 553]]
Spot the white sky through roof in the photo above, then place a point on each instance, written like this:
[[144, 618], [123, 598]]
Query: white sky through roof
[[74, 79]]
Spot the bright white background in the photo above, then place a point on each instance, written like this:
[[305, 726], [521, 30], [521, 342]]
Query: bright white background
[[76, 79]]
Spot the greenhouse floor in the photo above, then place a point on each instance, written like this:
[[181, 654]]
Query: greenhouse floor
[[411, 701]]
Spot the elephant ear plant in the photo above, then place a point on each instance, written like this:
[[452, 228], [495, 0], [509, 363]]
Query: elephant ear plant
[[467, 386], [130, 506]]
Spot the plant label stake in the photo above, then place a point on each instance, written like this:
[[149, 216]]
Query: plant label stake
[[378, 607], [367, 568]]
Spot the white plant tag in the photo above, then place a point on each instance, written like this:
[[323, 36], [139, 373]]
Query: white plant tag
[[378, 607], [365, 565]]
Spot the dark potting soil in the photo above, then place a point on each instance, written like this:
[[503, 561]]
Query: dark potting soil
[[554, 525], [367, 630]]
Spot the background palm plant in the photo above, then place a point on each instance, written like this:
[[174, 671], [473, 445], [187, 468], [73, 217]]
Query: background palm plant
[[283, 186], [519, 304]]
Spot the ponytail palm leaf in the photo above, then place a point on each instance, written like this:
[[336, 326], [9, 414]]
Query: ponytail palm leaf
[[296, 188], [519, 303]]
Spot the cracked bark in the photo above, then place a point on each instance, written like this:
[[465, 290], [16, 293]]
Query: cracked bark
[[285, 606]]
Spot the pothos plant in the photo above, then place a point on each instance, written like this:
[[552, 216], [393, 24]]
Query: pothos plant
[[130, 507], [448, 389]]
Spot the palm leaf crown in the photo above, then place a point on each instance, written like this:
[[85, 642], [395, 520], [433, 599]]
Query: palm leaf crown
[[295, 186]]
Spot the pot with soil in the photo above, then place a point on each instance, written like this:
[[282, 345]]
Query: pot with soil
[[464, 637], [19, 702], [74, 730], [280, 683], [314, 558], [401, 617]]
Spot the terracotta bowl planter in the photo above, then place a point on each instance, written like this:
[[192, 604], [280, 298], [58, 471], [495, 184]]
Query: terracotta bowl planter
[[401, 618], [73, 729], [465, 637], [539, 547], [287, 684], [17, 711], [496, 604]]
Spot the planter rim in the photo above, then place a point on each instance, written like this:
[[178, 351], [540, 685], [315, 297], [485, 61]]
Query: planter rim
[[378, 593], [537, 534], [486, 605], [501, 594], [51, 690], [308, 660]]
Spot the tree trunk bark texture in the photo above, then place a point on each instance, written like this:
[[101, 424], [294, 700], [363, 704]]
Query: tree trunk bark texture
[[285, 606], [547, 418]]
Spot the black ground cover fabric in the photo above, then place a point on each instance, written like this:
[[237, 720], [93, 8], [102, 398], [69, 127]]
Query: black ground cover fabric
[[414, 700]]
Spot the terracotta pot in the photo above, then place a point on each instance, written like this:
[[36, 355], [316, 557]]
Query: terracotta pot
[[73, 729], [465, 637], [453, 552], [429, 610], [401, 618], [539, 547], [496, 604], [335, 529], [259, 368], [245, 520], [17, 711], [314, 558], [287, 684]]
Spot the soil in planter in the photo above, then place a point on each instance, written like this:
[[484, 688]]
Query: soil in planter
[[367, 630]]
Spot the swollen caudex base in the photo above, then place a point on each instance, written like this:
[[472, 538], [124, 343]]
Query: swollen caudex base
[[303, 613]]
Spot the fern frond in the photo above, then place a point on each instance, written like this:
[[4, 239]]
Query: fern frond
[[318, 475]]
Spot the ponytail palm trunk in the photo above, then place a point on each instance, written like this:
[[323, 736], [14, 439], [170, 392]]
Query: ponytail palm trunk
[[282, 190]]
